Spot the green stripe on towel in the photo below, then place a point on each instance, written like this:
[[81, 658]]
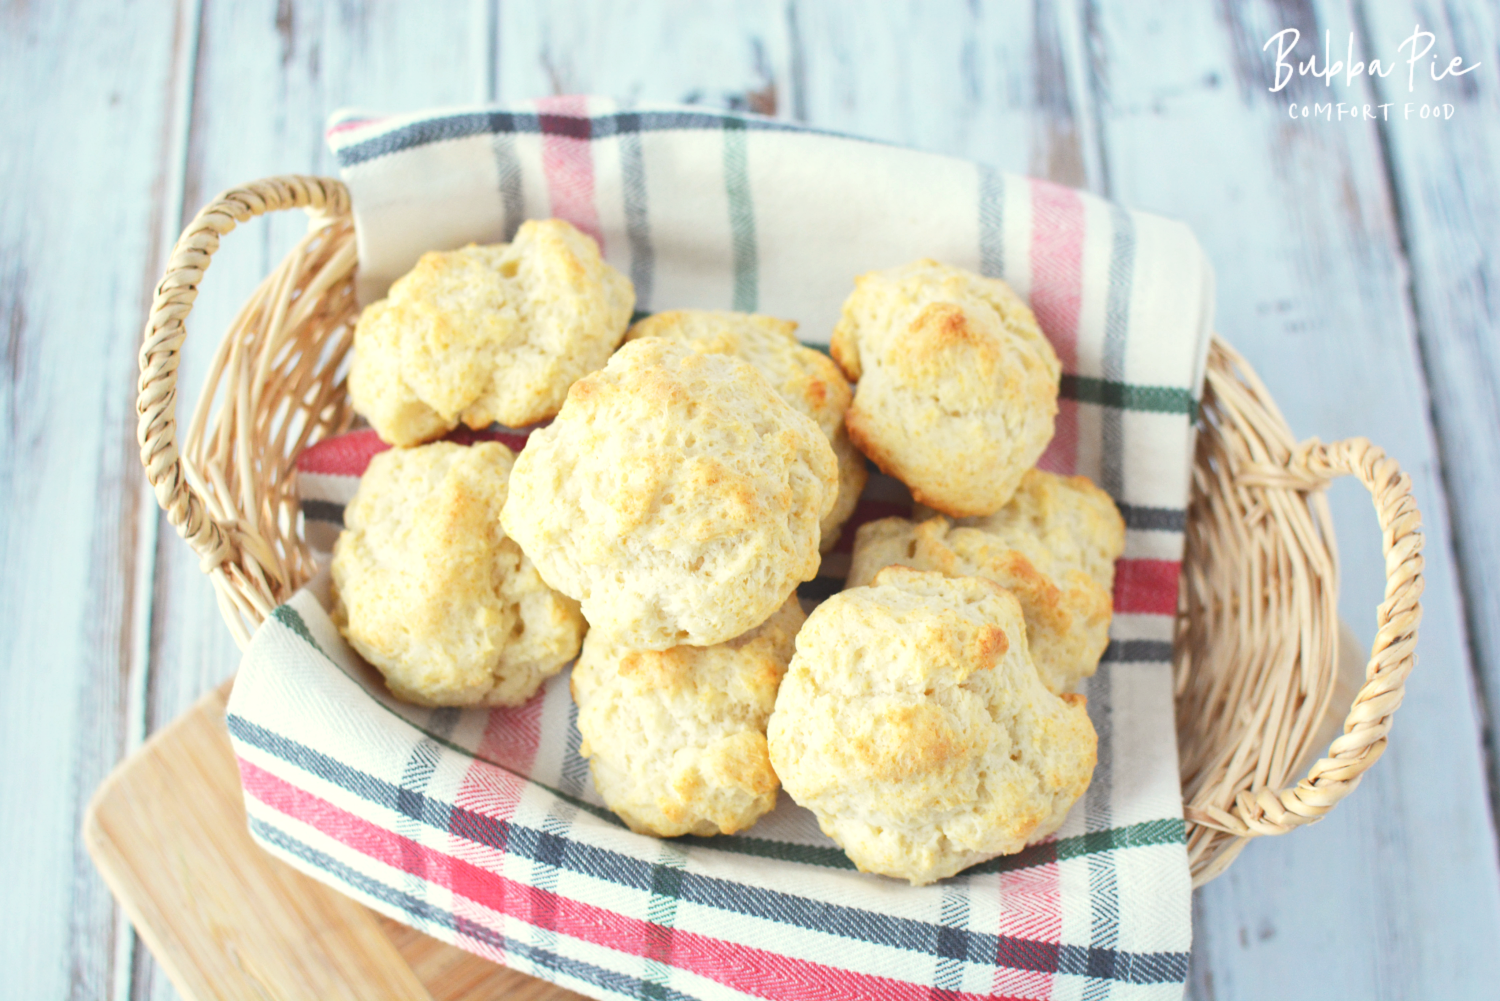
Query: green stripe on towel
[[741, 217]]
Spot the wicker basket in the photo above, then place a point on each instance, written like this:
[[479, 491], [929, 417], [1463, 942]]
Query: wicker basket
[[1256, 640]]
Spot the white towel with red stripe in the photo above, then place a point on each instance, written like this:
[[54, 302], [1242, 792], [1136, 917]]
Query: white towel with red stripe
[[482, 827]]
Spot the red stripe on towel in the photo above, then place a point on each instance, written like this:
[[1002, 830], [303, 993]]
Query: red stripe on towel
[[353, 123], [512, 735], [349, 454], [344, 455], [1029, 930], [510, 739], [568, 161], [1147, 587], [739, 967], [1057, 233]]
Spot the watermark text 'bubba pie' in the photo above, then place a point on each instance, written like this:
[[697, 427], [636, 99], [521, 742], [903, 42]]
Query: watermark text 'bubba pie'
[[1420, 64]]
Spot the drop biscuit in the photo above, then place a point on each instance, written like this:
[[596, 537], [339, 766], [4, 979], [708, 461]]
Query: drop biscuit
[[429, 589], [1053, 546], [677, 496], [913, 724], [676, 739], [807, 379], [957, 387], [487, 334]]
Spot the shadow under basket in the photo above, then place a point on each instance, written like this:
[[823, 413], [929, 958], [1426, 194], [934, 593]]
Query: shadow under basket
[[1256, 648]]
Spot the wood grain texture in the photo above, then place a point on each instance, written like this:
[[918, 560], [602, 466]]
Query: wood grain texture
[[1356, 262], [267, 76], [724, 53], [167, 829], [1297, 217], [1448, 210], [82, 131], [1302, 230], [992, 82], [168, 832]]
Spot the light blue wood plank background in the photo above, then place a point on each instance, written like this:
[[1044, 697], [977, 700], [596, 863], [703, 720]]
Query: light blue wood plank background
[[1357, 269]]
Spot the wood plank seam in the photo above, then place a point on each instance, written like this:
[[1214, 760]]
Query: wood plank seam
[[169, 214], [1482, 663]]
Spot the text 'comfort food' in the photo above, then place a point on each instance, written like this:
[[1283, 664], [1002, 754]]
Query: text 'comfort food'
[[676, 496], [957, 386], [912, 723], [431, 592]]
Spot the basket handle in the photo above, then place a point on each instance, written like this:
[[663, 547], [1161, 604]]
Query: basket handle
[[1311, 467], [156, 426]]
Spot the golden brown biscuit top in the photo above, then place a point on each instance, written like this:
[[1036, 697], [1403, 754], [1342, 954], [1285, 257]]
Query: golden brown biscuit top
[[912, 722], [1062, 523], [957, 385], [928, 321], [807, 379], [431, 592], [677, 496], [487, 333]]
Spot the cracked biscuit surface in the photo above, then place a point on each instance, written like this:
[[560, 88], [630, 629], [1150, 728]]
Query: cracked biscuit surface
[[1053, 546], [1065, 518], [913, 724], [676, 739], [487, 333], [676, 496], [430, 591], [956, 390], [807, 379]]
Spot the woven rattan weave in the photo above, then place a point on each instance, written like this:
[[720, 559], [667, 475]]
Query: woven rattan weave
[[1257, 631]]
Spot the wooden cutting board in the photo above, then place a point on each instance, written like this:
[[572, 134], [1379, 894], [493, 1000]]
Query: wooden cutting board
[[226, 920]]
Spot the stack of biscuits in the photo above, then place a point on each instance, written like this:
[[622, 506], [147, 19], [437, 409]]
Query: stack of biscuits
[[692, 470]]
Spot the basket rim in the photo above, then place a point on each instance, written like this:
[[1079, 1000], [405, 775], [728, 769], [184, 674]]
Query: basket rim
[[252, 572]]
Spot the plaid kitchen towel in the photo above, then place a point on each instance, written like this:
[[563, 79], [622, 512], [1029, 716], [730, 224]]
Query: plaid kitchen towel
[[482, 828]]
